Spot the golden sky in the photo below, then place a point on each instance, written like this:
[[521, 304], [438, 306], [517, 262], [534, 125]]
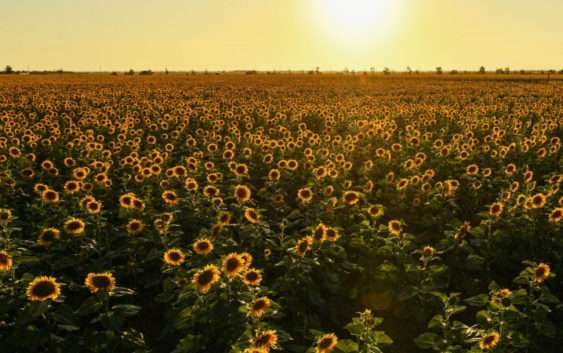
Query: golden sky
[[280, 34]]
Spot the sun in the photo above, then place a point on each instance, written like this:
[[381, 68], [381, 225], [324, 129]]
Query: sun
[[356, 18]]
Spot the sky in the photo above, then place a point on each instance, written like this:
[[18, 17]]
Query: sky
[[109, 35]]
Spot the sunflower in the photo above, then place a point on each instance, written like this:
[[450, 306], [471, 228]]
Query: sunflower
[[242, 193], [556, 215], [538, 200], [205, 278], [94, 207], [259, 306], [395, 227], [170, 197], [351, 198], [246, 259], [489, 341], [43, 288], [428, 251], [326, 343], [319, 233], [72, 186], [332, 234], [191, 184], [251, 215], [232, 265], [376, 211], [100, 282], [303, 245], [252, 277], [224, 218], [495, 210], [48, 235], [74, 226], [472, 169], [541, 273], [50, 196], [6, 261], [265, 339], [203, 246], [255, 350], [135, 226], [274, 175], [126, 200], [174, 257], [5, 216], [305, 195]]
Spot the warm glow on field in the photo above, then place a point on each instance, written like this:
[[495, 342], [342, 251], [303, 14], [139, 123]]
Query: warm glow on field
[[356, 19]]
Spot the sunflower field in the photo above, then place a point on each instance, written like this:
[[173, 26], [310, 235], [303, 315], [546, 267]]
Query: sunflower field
[[281, 213]]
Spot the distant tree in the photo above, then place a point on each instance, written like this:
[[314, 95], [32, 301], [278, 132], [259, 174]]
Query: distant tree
[[166, 71], [145, 72], [386, 71], [372, 69], [409, 70], [114, 73], [9, 69], [439, 70], [454, 72], [561, 71], [482, 70], [317, 70], [507, 70], [131, 72]]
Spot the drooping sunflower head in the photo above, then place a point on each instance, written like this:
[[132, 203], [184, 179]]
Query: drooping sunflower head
[[303, 245], [203, 246], [351, 198], [394, 227], [246, 259], [5, 216], [541, 273], [326, 343], [251, 215], [174, 257], [319, 233], [48, 235], [100, 282], [43, 288], [556, 215], [6, 261], [74, 226]]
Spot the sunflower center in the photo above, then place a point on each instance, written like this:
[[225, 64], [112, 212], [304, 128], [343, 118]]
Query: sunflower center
[[43, 289], [101, 281]]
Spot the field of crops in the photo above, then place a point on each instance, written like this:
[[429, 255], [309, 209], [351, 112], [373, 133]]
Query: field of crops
[[281, 213]]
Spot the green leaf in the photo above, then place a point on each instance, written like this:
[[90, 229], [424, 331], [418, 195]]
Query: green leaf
[[478, 300], [347, 346], [427, 340]]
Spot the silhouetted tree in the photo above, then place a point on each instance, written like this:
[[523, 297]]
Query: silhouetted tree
[[9, 69], [482, 70], [386, 71], [439, 70]]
